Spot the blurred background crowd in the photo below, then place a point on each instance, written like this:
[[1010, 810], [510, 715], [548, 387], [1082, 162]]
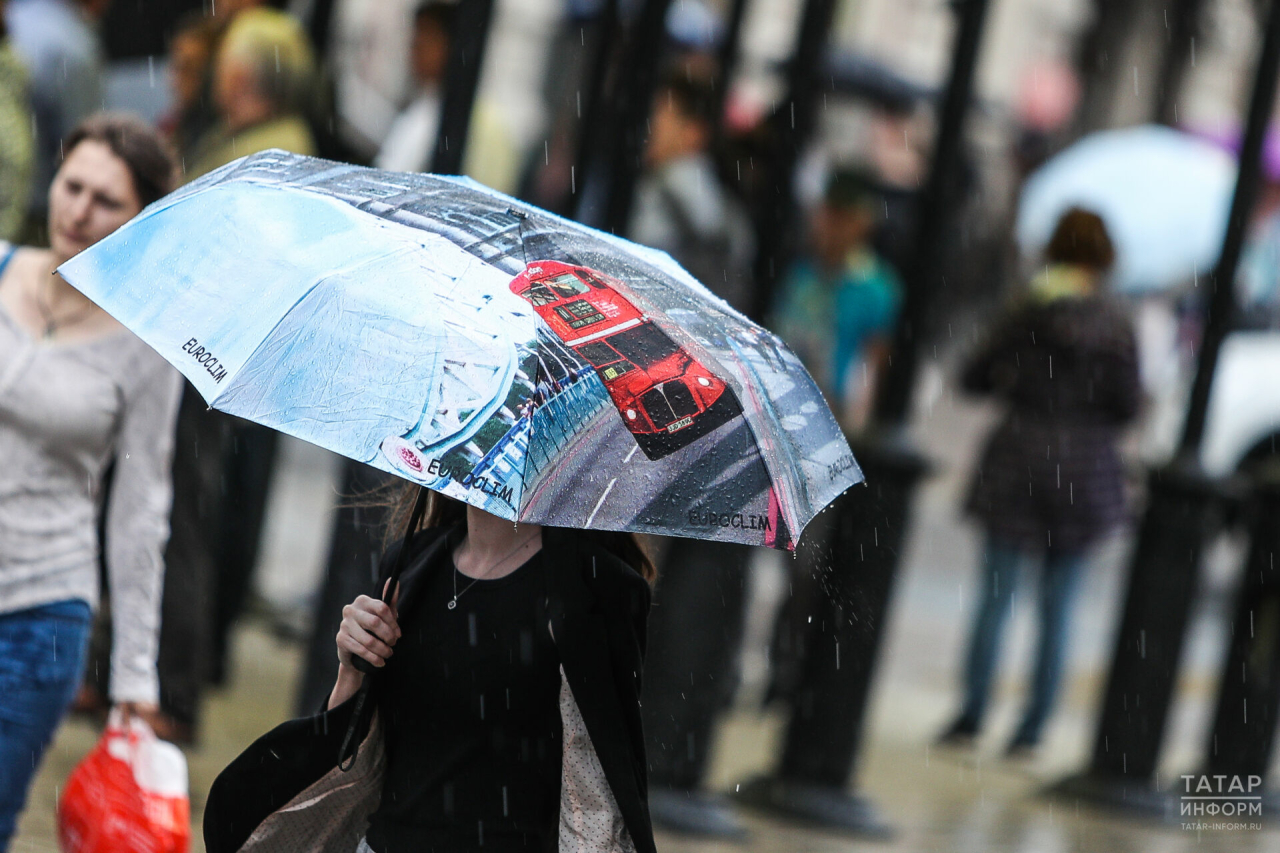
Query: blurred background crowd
[[799, 157]]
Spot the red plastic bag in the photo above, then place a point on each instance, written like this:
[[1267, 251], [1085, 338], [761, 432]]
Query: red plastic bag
[[128, 795]]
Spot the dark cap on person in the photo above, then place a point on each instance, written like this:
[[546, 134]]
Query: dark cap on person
[[849, 188]]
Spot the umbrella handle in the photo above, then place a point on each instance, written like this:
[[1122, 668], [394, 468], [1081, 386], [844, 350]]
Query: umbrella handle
[[389, 588]]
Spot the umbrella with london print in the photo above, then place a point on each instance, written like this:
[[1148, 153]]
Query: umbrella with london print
[[519, 362]]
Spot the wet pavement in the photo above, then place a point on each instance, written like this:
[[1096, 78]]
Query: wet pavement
[[938, 800]]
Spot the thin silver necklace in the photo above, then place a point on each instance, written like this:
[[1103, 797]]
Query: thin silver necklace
[[51, 321], [456, 595]]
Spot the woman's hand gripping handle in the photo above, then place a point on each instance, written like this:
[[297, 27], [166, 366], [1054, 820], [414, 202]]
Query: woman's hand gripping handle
[[366, 639]]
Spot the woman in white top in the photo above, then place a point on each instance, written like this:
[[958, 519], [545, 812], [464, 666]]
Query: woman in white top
[[77, 392]]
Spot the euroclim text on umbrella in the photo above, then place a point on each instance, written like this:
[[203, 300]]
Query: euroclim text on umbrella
[[468, 480], [710, 518], [206, 359]]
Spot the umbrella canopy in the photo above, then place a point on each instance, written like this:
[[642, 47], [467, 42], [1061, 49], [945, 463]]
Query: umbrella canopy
[[1164, 196], [498, 354]]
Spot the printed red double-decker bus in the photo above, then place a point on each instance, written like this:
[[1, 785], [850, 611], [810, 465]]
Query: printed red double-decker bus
[[666, 398]]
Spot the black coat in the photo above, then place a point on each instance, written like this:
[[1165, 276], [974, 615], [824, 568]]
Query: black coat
[[1050, 475], [598, 608]]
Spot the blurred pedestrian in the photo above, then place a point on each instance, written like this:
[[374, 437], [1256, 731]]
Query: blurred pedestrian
[[191, 557], [18, 150], [262, 84], [838, 305], [191, 52], [681, 204], [696, 628], [80, 392], [411, 139], [490, 156], [262, 87], [508, 699], [1050, 482], [58, 42], [367, 57]]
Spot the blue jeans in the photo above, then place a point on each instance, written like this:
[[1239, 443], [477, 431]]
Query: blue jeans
[[1002, 564], [42, 651]]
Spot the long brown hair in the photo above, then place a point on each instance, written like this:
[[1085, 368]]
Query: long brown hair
[[137, 144], [442, 510]]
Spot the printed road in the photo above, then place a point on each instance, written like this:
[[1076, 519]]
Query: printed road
[[605, 481]]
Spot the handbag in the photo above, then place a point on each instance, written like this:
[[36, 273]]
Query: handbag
[[331, 815]]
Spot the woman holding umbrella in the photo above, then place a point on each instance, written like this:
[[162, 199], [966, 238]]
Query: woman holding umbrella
[[509, 648], [507, 694], [77, 391]]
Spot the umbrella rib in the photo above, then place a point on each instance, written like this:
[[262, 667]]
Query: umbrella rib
[[785, 506], [266, 339], [520, 218], [533, 411]]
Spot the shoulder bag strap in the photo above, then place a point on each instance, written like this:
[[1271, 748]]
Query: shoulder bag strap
[[350, 744]]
